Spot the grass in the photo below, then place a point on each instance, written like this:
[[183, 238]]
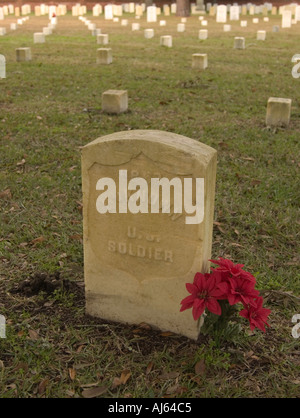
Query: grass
[[51, 107]]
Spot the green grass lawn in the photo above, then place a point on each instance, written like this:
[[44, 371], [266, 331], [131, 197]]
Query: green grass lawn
[[49, 108]]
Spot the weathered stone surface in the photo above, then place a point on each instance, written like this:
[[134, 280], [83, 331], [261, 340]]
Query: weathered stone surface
[[278, 111], [115, 101], [23, 54], [136, 264]]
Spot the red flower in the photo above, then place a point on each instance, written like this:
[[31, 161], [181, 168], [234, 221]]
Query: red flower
[[257, 315], [228, 266], [204, 293], [240, 290]]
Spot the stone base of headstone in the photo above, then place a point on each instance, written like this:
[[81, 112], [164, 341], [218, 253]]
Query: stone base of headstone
[[23, 54], [39, 38], [166, 40], [203, 34], [104, 56], [239, 42], [278, 111], [115, 101], [148, 33], [199, 61], [102, 38], [261, 35]]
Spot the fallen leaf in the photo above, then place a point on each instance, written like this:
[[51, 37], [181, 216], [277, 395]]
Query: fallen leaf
[[125, 375], [168, 375], [37, 240], [33, 335], [72, 374], [22, 162], [5, 194], [76, 237], [166, 334], [200, 367], [94, 392], [149, 367], [42, 386]]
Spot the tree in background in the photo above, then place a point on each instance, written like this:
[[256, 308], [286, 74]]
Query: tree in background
[[183, 7]]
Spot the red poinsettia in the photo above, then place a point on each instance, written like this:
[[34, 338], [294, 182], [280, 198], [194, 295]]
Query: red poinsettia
[[238, 289], [230, 282], [229, 269], [204, 294], [256, 314]]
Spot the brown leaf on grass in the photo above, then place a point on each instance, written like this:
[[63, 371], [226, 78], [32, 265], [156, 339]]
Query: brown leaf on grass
[[22, 162], [33, 335], [168, 375], [42, 386], [6, 194], [149, 368], [200, 367], [122, 380], [76, 237], [37, 240], [72, 373], [94, 392]]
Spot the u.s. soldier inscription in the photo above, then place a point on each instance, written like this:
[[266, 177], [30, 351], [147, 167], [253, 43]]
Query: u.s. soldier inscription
[[148, 201]]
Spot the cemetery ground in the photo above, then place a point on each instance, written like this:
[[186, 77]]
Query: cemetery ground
[[49, 108]]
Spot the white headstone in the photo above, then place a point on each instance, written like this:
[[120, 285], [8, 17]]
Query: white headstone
[[286, 19], [203, 33], [221, 16], [234, 13], [2, 66], [108, 12], [151, 14]]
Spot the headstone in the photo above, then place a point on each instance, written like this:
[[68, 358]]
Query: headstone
[[13, 26], [124, 22], [2, 31], [244, 10], [1, 14], [166, 10], [278, 111], [239, 42], [104, 56], [47, 31], [183, 20], [102, 39], [38, 38], [204, 23], [286, 19], [149, 33], [180, 27], [255, 20], [135, 26], [151, 14], [261, 35], [166, 40], [275, 28], [115, 101], [17, 11], [23, 54], [162, 23], [297, 13], [199, 61], [234, 13], [227, 28], [2, 66], [221, 14], [140, 252], [108, 12], [203, 34], [243, 23], [274, 11]]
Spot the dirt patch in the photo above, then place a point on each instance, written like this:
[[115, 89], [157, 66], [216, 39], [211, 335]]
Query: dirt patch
[[44, 282]]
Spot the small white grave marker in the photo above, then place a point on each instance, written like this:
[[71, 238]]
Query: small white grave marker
[[2, 66], [278, 111]]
